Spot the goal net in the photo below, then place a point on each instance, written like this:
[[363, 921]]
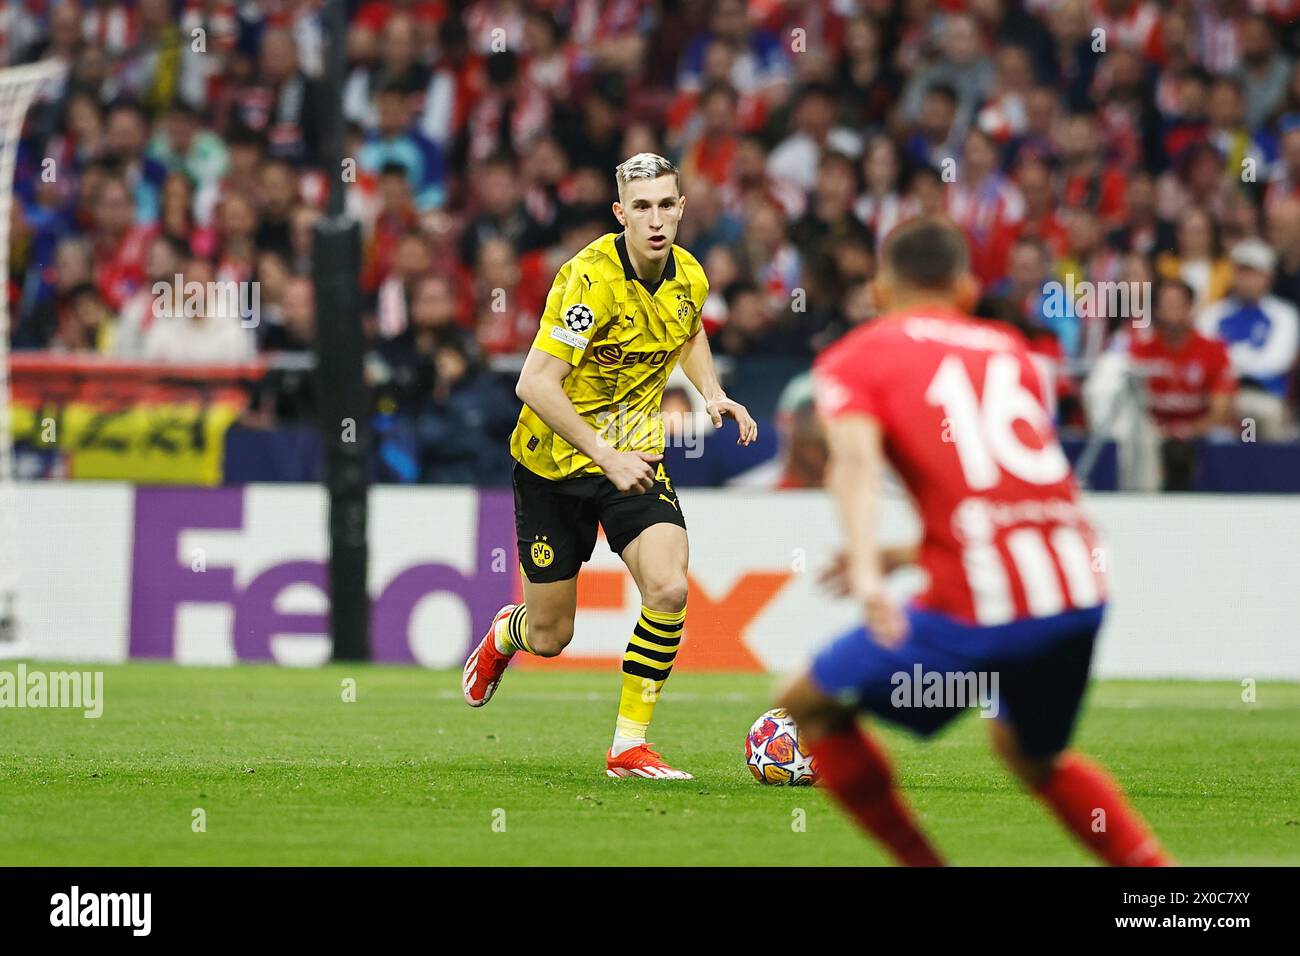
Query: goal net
[[18, 86]]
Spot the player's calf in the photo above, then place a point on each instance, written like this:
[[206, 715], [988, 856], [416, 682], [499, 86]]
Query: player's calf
[[552, 606], [855, 769], [1084, 797], [513, 629]]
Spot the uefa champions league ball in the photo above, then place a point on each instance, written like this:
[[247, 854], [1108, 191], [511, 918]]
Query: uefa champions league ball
[[776, 754]]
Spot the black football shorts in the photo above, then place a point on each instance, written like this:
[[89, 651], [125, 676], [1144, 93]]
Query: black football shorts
[[555, 521]]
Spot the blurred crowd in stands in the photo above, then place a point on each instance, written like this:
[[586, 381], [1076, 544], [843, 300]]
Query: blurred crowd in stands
[[1079, 141]]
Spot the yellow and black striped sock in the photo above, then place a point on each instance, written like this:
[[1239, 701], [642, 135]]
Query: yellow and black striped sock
[[512, 633], [646, 666]]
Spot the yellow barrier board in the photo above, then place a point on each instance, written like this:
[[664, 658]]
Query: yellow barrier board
[[147, 442]]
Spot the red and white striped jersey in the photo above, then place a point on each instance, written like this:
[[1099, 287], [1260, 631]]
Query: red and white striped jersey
[[980, 208], [962, 410], [1136, 28], [112, 28]]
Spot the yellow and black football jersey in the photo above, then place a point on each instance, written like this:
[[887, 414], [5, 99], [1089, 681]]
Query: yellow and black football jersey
[[623, 337]]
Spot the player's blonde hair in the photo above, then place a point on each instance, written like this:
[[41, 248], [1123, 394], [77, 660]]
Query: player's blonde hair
[[645, 166]]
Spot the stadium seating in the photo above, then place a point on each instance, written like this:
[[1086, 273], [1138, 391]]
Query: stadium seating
[[1093, 141]]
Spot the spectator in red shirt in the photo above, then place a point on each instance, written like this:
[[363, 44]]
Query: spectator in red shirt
[[711, 146], [176, 221], [1087, 180], [504, 324], [110, 25], [988, 207], [1135, 24], [510, 113], [412, 260], [1188, 379], [397, 217], [237, 223], [119, 243], [882, 205], [163, 261], [1041, 219], [1003, 116], [375, 13], [458, 80], [548, 61]]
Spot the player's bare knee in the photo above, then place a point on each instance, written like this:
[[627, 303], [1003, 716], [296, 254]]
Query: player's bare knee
[[1033, 772], [787, 694], [793, 695], [1002, 740], [668, 595], [1037, 772], [814, 712], [550, 638]]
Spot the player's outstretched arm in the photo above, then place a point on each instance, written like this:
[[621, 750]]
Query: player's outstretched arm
[[835, 576], [697, 363], [541, 388], [857, 463]]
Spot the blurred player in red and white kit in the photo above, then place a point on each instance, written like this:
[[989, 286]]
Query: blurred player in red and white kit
[[956, 405]]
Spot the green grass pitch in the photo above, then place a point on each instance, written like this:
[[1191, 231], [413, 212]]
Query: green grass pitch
[[286, 772]]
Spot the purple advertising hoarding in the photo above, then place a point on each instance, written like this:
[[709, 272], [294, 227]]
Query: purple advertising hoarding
[[161, 582]]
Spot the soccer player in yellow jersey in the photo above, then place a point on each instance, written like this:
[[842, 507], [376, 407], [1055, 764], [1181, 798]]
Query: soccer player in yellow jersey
[[588, 449]]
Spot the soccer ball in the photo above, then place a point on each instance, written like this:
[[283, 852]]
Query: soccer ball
[[776, 753]]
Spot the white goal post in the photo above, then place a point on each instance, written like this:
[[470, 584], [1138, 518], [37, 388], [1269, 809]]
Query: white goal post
[[18, 86]]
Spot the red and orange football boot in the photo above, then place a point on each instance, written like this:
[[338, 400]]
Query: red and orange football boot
[[641, 761], [484, 667]]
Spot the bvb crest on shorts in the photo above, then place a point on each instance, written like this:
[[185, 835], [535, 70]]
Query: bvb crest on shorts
[[542, 554]]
